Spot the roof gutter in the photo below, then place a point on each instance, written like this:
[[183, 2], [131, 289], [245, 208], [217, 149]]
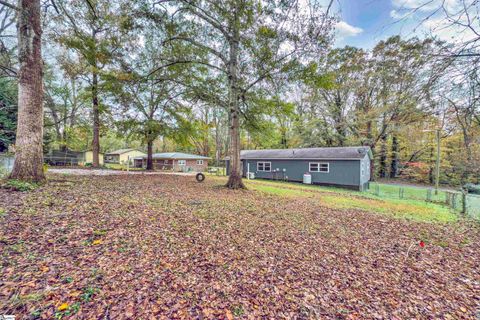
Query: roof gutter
[[323, 159]]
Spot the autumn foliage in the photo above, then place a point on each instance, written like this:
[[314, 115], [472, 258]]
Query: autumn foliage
[[167, 247]]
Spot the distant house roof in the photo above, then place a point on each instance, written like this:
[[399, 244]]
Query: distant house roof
[[67, 152], [332, 153], [122, 151], [175, 155]]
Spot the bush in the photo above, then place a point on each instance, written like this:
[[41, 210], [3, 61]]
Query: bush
[[88, 164], [18, 185], [472, 188], [3, 172]]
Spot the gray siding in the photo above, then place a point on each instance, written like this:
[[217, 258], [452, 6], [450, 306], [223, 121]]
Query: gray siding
[[341, 172], [365, 173]]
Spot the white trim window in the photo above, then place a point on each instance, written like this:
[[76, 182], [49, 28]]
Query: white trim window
[[182, 162], [323, 167], [200, 162], [264, 166]]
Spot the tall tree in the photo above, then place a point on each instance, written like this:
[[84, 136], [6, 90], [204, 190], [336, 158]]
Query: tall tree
[[29, 138], [63, 105], [249, 42], [97, 31]]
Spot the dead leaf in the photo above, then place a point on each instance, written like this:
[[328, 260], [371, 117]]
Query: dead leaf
[[63, 306]]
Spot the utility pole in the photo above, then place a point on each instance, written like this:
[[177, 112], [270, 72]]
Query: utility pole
[[437, 164], [437, 160]]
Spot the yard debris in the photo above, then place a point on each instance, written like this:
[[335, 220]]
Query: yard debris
[[179, 251]]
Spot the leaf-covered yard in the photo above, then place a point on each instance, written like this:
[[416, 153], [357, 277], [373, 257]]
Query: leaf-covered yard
[[164, 246]]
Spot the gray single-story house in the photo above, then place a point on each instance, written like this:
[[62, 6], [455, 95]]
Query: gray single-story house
[[339, 166]]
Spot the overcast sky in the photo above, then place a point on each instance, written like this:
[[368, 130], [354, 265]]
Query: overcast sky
[[365, 22]]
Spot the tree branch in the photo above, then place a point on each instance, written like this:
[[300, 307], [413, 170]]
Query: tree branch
[[198, 44], [11, 6]]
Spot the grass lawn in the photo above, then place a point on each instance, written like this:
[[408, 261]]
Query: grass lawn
[[345, 199], [410, 192], [117, 166], [165, 246]]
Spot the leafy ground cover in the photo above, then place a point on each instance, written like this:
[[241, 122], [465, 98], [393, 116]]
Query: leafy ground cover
[[165, 246]]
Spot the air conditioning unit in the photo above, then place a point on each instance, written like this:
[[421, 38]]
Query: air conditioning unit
[[307, 178], [251, 175]]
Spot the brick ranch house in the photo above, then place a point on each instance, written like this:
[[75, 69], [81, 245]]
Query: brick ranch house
[[175, 161]]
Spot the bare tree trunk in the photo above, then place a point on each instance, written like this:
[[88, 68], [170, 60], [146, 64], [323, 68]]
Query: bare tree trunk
[[383, 157], [73, 112], [150, 155], [235, 178], [395, 160], [206, 133], [96, 112], [369, 132], [431, 178], [218, 142], [28, 164], [467, 170]]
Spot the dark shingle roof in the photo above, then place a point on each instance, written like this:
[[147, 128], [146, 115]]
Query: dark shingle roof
[[175, 155], [340, 153]]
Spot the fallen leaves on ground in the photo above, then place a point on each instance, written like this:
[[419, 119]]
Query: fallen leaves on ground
[[164, 246]]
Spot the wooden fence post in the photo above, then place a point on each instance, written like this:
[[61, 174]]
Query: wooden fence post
[[429, 195], [454, 201], [449, 198]]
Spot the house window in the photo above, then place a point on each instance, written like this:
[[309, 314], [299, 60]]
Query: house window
[[319, 167], [165, 161], [264, 166], [199, 162], [182, 162]]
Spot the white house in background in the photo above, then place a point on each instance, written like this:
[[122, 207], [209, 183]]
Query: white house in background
[[123, 156]]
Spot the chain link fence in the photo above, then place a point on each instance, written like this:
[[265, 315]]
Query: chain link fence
[[462, 203], [473, 206]]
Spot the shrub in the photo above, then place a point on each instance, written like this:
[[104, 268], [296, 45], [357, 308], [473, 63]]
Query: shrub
[[18, 185], [3, 172]]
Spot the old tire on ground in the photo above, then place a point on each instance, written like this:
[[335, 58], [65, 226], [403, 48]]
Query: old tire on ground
[[200, 177]]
